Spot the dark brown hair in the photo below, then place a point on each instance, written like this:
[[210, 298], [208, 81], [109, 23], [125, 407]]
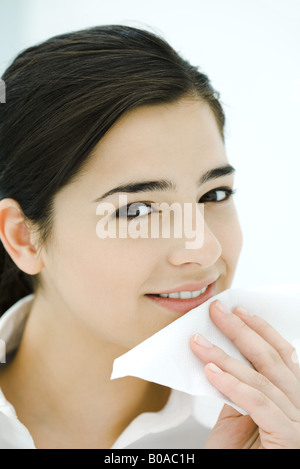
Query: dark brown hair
[[62, 96]]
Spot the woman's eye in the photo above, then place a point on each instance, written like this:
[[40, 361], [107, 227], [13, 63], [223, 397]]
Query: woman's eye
[[136, 209], [217, 195], [140, 209]]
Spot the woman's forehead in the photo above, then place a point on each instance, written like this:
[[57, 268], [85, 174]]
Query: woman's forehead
[[159, 134]]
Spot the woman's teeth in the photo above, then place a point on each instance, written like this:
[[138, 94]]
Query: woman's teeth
[[184, 295]]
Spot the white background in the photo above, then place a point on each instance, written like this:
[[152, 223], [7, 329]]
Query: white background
[[250, 49]]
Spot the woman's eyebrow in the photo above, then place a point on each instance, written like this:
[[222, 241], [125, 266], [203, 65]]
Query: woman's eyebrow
[[164, 184]]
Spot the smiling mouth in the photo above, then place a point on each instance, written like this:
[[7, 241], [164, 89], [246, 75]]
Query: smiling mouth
[[183, 295], [184, 301]]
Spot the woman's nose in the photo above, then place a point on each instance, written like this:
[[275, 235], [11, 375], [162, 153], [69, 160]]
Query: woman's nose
[[205, 253]]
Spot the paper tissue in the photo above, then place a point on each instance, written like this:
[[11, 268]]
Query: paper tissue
[[167, 359]]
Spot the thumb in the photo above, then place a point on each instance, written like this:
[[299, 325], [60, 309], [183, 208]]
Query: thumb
[[232, 430], [228, 412]]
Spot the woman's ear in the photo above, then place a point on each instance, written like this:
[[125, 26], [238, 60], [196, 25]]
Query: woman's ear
[[17, 238]]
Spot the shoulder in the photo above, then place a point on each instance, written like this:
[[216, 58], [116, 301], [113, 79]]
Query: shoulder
[[13, 435], [188, 434]]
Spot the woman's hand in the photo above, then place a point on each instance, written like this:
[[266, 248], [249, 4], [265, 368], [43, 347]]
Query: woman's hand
[[269, 393]]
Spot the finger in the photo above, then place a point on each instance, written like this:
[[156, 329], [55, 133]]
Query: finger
[[265, 359], [269, 334], [274, 425], [211, 353], [233, 430]]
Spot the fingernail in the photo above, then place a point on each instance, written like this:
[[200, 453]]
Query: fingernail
[[215, 369], [221, 307], [243, 312], [203, 341]]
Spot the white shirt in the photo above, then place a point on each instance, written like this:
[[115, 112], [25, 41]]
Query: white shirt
[[175, 426]]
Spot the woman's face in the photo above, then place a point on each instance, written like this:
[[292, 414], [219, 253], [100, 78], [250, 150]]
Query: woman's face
[[104, 282]]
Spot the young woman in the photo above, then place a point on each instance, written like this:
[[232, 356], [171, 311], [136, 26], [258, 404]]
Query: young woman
[[90, 116]]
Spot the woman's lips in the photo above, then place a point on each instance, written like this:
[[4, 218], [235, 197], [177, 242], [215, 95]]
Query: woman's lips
[[184, 306]]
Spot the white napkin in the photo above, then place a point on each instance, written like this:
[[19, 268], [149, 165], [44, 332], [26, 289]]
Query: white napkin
[[167, 359]]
